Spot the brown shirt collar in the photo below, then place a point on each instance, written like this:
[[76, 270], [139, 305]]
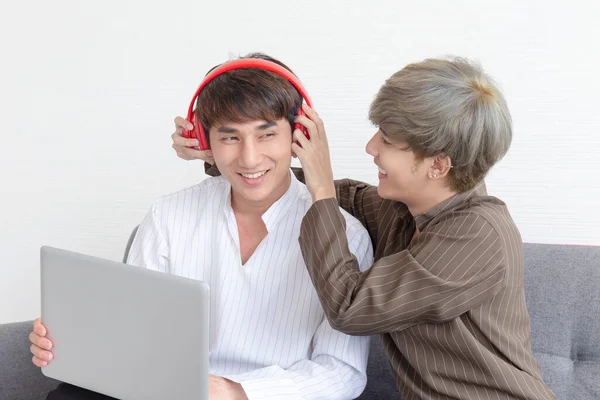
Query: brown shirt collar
[[450, 203]]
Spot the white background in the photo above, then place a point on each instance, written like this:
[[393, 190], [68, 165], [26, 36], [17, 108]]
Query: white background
[[89, 90]]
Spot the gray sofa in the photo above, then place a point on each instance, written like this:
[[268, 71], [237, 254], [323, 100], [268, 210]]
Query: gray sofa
[[562, 285]]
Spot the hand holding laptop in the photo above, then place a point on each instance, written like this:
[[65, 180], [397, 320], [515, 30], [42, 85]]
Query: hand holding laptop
[[40, 345]]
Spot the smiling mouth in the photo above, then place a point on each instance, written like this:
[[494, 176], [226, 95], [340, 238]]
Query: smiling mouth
[[254, 175], [382, 171]]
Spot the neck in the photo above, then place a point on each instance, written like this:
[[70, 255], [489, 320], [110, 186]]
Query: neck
[[242, 206], [428, 201]]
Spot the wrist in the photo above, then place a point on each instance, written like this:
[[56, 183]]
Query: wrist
[[324, 193]]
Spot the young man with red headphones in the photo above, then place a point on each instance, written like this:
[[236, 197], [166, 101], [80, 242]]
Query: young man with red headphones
[[239, 233]]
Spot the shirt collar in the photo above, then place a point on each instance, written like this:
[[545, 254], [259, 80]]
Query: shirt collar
[[423, 219], [281, 207]]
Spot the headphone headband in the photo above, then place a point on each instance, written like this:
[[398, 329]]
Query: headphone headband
[[230, 66]]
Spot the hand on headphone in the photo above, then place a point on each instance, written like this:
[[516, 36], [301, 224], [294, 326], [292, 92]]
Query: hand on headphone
[[185, 147], [314, 155]]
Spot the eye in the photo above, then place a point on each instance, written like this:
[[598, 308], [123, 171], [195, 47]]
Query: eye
[[229, 139], [385, 142], [268, 135]]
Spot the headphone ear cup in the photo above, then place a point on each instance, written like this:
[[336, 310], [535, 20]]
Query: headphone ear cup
[[189, 134], [195, 127], [197, 131], [200, 135], [300, 126]]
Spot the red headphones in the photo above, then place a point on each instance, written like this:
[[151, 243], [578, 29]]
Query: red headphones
[[198, 131]]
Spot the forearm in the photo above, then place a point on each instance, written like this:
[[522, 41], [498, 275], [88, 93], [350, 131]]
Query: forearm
[[323, 378], [398, 291]]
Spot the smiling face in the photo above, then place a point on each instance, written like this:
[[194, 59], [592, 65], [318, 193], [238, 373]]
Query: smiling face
[[255, 158], [402, 176]]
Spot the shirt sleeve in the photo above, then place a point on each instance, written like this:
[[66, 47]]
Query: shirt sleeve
[[211, 169], [452, 267], [336, 368], [149, 248], [361, 201]]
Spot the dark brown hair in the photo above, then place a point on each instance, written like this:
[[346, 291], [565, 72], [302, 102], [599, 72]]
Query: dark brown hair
[[248, 94]]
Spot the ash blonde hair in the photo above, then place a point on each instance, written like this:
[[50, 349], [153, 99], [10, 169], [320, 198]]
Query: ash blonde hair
[[446, 106]]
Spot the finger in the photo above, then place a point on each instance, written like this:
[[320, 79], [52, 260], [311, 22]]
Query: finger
[[301, 140], [297, 150], [312, 114], [182, 123], [38, 362], [40, 341], [310, 125], [34, 338], [179, 140], [40, 353], [193, 154], [39, 328], [302, 156], [184, 154]]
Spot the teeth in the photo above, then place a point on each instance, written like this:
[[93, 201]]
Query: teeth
[[255, 175], [382, 171]]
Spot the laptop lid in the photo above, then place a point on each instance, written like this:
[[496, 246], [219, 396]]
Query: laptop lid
[[124, 331]]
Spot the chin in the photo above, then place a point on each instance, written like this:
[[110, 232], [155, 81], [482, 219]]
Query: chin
[[386, 194], [256, 195], [382, 192]]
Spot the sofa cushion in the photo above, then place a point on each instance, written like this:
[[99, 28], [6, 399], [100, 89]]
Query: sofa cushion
[[19, 378], [562, 289], [380, 381]]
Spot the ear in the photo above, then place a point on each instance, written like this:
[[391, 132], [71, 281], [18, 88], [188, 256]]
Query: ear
[[440, 166]]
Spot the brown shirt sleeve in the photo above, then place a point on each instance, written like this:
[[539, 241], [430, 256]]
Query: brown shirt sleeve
[[449, 268], [362, 201], [211, 169], [357, 198]]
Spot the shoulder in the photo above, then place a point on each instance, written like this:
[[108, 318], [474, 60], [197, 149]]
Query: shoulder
[[481, 217], [353, 225], [495, 212], [359, 241], [206, 192]]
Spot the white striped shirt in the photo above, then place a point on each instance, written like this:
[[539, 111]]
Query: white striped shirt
[[268, 328]]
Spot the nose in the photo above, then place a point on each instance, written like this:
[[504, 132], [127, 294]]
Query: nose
[[372, 145], [250, 155]]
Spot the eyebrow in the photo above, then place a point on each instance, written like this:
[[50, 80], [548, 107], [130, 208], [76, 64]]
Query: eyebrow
[[225, 129], [382, 131], [261, 127], [266, 125]]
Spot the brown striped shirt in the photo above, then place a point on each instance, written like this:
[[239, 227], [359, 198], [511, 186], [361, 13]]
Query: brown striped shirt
[[449, 302]]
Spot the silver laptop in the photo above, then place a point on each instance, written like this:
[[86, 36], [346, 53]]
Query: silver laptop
[[125, 331]]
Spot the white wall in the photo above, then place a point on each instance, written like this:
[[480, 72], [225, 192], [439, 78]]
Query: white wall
[[88, 92]]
